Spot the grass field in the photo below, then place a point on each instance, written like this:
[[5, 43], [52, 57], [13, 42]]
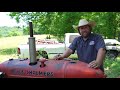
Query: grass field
[[8, 45], [8, 50]]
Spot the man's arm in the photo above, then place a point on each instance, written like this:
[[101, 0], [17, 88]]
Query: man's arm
[[71, 49], [66, 54], [99, 60], [100, 56]]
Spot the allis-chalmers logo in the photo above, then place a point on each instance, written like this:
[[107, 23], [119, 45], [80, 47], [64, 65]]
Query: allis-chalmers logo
[[31, 73]]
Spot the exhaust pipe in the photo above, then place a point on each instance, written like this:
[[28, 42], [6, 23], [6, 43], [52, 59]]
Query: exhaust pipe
[[32, 47]]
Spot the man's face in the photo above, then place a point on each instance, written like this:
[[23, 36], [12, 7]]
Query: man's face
[[84, 30]]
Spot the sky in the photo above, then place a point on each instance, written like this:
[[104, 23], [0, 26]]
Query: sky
[[6, 20]]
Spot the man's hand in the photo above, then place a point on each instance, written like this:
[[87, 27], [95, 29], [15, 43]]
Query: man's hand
[[66, 54], [94, 64], [58, 57]]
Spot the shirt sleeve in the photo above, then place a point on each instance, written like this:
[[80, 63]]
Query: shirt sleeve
[[100, 42], [73, 45]]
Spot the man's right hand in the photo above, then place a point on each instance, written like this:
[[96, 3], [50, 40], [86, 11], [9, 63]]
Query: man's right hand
[[58, 57]]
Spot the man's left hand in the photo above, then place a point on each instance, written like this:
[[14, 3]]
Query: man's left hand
[[94, 64]]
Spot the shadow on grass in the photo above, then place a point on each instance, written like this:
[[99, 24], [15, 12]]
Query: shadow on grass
[[8, 51]]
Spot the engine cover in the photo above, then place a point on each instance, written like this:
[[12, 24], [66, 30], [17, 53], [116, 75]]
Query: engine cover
[[17, 68]]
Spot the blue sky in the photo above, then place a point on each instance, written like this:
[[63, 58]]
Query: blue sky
[[5, 20]]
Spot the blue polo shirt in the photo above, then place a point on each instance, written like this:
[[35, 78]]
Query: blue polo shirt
[[87, 50]]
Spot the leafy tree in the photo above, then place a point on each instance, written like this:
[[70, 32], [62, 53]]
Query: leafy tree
[[10, 31], [59, 23]]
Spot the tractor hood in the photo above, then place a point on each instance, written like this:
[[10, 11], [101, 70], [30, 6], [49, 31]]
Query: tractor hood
[[49, 69]]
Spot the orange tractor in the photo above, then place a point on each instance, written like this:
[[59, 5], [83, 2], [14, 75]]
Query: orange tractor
[[45, 68]]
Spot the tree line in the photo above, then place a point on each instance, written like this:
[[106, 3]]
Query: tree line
[[6, 31], [59, 23]]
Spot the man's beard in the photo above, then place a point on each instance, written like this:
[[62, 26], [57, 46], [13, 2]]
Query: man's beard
[[85, 34]]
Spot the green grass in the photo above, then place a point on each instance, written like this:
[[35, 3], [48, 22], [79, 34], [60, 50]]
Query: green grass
[[112, 68], [8, 50], [8, 45]]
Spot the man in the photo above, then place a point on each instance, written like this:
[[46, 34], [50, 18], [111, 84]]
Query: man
[[90, 47]]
